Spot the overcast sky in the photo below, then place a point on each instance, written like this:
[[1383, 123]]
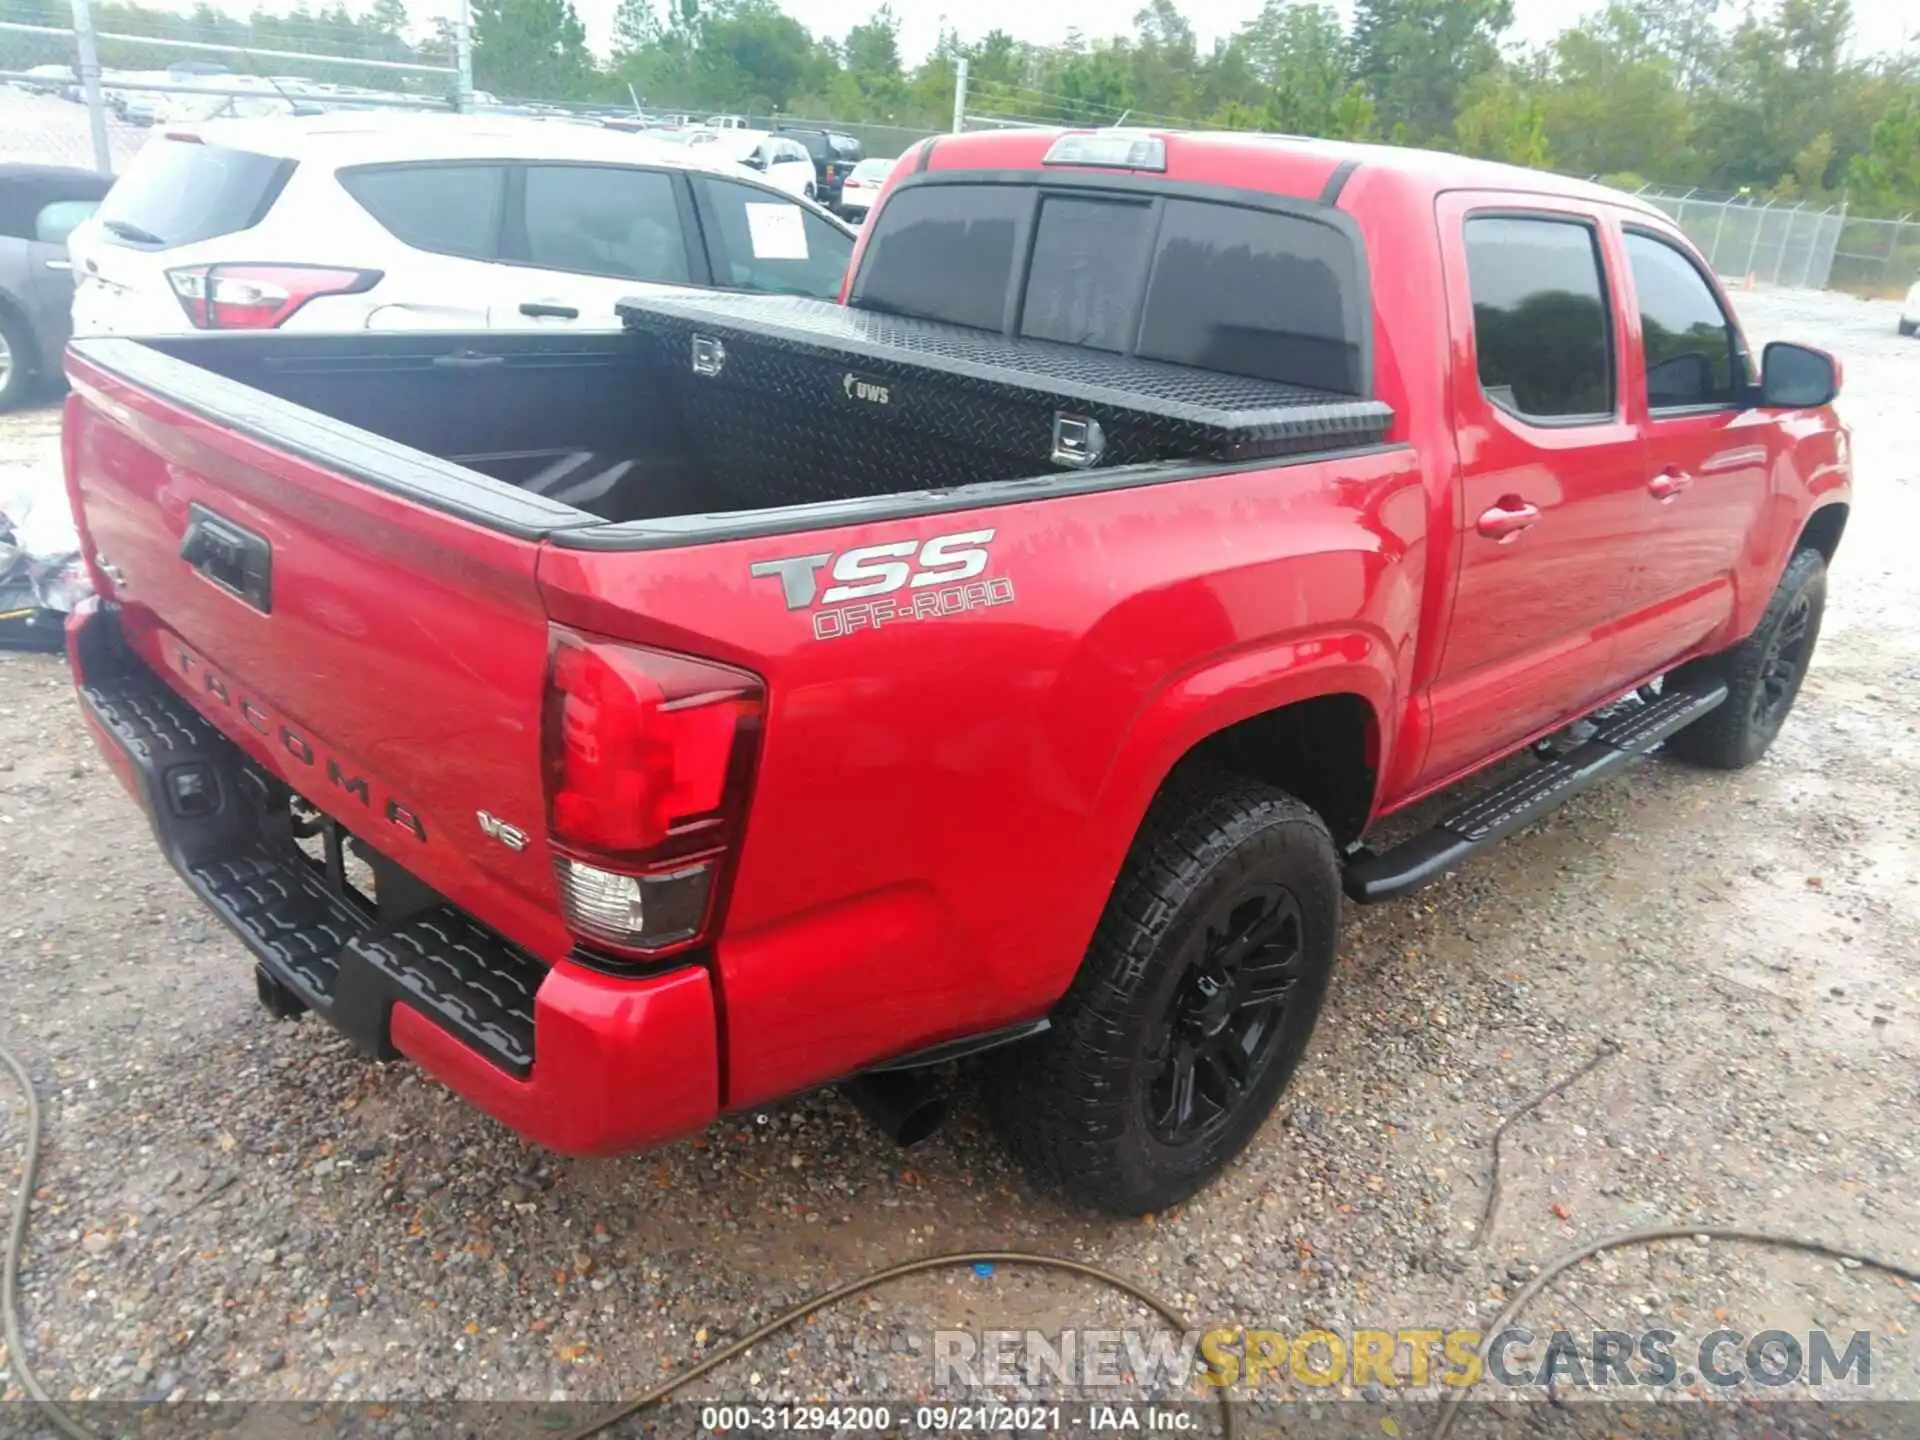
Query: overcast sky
[[1878, 25]]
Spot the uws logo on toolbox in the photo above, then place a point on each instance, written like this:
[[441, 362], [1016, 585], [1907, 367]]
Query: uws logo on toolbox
[[899, 582]]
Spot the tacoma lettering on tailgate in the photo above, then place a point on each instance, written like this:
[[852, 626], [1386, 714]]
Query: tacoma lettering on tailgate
[[946, 575], [214, 691]]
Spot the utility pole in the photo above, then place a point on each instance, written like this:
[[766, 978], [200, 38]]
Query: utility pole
[[960, 95], [90, 85], [463, 53]]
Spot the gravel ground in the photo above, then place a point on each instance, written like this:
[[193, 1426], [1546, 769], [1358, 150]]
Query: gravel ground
[[233, 1208]]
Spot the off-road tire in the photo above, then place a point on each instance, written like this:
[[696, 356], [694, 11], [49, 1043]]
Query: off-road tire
[[1073, 1103], [1908, 327], [1738, 731]]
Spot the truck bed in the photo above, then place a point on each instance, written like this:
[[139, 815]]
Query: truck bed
[[610, 440]]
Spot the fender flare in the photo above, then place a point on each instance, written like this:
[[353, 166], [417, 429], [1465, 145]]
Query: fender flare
[[1220, 691]]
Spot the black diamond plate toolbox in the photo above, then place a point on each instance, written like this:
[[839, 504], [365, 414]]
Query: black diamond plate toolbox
[[841, 401]]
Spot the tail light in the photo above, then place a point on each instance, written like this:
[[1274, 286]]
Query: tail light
[[649, 756], [258, 297]]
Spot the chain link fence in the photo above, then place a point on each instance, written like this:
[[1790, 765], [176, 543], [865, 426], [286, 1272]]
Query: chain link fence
[[75, 93], [1767, 242], [1877, 259]]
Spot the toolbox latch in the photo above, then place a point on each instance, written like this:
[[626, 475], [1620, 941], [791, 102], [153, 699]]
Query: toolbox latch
[[709, 355], [1077, 441]]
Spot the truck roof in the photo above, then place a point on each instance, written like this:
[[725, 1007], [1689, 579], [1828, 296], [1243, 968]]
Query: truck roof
[[1296, 165]]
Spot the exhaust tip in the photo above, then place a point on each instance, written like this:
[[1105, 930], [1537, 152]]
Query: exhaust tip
[[920, 1122], [906, 1105]]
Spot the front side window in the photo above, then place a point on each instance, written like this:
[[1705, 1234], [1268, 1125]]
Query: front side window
[[760, 240], [448, 209], [1692, 349], [1540, 323], [605, 220]]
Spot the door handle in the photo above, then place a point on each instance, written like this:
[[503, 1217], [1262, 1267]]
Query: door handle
[[1668, 484], [59, 264], [1508, 518], [543, 310]]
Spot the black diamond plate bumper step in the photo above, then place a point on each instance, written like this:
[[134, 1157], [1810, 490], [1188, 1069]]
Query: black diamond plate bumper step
[[1626, 734], [318, 944]]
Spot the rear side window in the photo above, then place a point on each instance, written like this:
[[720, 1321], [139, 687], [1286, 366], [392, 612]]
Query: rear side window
[[1253, 292], [945, 252], [178, 192], [1692, 349], [448, 209], [1089, 257], [1540, 317], [603, 220]]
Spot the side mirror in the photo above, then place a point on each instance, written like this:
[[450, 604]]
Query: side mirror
[[1797, 377]]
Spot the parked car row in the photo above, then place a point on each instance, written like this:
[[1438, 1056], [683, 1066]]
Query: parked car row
[[431, 222], [371, 220], [39, 207]]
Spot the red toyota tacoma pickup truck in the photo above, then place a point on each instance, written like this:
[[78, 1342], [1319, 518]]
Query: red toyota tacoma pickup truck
[[634, 727]]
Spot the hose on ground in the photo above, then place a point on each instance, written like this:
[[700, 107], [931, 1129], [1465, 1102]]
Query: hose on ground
[[878, 1278], [10, 1262], [1560, 1264], [67, 1425], [17, 1349]]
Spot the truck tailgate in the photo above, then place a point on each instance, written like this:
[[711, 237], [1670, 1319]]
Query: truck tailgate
[[383, 657]]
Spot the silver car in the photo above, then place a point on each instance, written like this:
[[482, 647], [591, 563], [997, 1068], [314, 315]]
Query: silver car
[[39, 206]]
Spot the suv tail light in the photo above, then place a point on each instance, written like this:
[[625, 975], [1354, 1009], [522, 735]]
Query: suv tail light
[[648, 756], [258, 297]]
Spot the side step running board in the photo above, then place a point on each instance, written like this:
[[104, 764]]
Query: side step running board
[[1623, 738]]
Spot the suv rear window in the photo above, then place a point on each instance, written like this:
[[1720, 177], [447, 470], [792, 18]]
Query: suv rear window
[[177, 192], [1234, 288]]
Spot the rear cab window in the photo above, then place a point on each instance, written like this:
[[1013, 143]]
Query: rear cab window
[[1275, 291], [179, 192]]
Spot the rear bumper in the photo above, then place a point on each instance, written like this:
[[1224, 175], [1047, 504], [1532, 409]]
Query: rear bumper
[[573, 1059]]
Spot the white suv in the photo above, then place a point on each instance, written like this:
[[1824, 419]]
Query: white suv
[[360, 221]]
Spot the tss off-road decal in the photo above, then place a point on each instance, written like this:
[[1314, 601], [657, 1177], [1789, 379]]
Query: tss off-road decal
[[878, 585]]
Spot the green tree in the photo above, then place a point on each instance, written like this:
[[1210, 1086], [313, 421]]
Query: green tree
[[532, 48], [1614, 103], [1887, 177], [1416, 56], [1779, 87], [1501, 118], [1300, 52]]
